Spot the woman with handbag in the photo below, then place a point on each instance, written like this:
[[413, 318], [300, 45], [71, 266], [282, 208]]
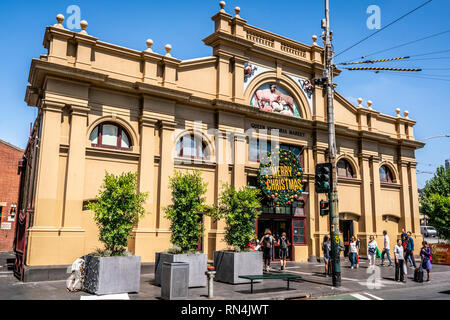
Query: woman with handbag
[[372, 246], [399, 260], [425, 254], [353, 252], [326, 248]]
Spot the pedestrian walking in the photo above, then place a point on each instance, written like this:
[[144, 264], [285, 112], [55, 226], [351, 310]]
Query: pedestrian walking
[[267, 245], [399, 260], [326, 248], [425, 254], [386, 246], [404, 234], [404, 244], [284, 244], [372, 246], [410, 250], [353, 251]]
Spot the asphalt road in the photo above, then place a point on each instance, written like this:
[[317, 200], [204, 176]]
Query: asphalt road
[[438, 291]]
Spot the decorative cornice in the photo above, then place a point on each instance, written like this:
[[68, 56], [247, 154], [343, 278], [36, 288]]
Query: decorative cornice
[[80, 110], [54, 106]]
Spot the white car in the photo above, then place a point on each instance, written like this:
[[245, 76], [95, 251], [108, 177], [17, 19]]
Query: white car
[[428, 231]]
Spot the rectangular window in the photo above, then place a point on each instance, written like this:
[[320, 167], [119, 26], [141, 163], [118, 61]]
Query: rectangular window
[[297, 151], [256, 149], [298, 228]]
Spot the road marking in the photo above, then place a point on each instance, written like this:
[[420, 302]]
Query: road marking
[[371, 295], [348, 279], [359, 296], [121, 296], [299, 272]]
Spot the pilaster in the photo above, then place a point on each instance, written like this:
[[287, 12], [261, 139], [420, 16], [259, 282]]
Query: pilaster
[[406, 209], [239, 179], [46, 207], [166, 170], [74, 191]]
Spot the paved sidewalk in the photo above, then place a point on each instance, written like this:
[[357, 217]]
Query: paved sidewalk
[[313, 285]]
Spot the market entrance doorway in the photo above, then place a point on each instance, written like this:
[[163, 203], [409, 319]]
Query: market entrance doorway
[[277, 226], [346, 228]]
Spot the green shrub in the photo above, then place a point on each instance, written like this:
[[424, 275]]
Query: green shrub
[[117, 210], [188, 202], [240, 209]]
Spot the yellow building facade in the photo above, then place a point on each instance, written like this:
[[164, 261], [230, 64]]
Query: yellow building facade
[[103, 107]]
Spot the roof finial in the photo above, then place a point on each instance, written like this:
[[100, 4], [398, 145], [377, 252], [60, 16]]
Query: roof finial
[[360, 100], [369, 105], [60, 19], [237, 10], [398, 112], [83, 25], [222, 6], [314, 38], [168, 48], [406, 113], [149, 43]]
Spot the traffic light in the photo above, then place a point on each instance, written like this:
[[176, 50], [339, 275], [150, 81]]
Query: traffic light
[[320, 81], [323, 178], [324, 208]]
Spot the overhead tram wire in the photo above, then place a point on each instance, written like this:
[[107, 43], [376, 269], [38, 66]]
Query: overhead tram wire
[[416, 76], [402, 45], [382, 69], [373, 61], [388, 25], [407, 58]]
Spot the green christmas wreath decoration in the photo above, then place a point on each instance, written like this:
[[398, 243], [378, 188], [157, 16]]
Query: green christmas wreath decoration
[[282, 185]]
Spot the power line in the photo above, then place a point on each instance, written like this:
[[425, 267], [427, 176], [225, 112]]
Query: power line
[[373, 61], [403, 44], [418, 77], [383, 28], [382, 69], [423, 59], [429, 53]]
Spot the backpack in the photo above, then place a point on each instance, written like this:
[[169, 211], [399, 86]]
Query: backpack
[[267, 242], [283, 243]]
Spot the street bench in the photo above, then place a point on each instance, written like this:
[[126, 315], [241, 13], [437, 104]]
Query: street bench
[[270, 276]]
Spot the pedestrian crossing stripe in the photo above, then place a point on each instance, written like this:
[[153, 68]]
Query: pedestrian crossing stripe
[[373, 296], [359, 296], [121, 296]]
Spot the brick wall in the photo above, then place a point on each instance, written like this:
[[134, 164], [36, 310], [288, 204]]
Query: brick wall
[[9, 191]]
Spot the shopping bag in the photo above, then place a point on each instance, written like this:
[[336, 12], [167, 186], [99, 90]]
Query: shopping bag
[[405, 269], [378, 253]]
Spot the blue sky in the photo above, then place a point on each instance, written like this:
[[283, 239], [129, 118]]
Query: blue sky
[[184, 24]]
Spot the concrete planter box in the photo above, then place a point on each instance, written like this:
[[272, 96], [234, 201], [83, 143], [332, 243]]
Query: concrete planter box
[[110, 275], [198, 264], [175, 280], [230, 265]]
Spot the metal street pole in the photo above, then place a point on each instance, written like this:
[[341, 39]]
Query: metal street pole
[[332, 195]]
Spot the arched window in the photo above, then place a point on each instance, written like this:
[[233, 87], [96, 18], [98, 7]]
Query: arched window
[[386, 174], [110, 135], [193, 147], [344, 169]]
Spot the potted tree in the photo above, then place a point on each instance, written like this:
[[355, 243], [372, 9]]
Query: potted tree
[[240, 209], [117, 210], [188, 203]]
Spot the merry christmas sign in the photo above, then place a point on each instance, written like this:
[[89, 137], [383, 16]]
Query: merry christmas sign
[[281, 177]]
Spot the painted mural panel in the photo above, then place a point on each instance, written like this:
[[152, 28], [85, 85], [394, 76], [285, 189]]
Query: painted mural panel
[[272, 98]]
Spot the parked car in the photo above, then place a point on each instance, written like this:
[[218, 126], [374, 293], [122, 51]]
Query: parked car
[[428, 231]]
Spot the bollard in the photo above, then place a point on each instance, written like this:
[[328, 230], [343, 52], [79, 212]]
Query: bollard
[[210, 274]]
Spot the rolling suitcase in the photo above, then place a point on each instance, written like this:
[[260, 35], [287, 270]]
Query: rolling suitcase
[[418, 274]]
